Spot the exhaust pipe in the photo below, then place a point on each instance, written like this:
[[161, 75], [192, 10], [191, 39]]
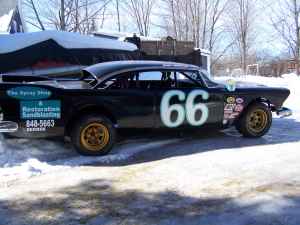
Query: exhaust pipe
[[284, 112], [8, 127]]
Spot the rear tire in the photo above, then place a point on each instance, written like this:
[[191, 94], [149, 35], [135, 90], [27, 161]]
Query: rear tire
[[93, 135], [256, 121]]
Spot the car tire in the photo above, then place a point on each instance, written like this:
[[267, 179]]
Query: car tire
[[256, 121], [93, 135]]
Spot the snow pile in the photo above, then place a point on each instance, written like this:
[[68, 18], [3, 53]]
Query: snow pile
[[14, 42], [290, 76], [4, 22]]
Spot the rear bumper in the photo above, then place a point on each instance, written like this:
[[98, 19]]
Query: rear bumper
[[284, 112], [8, 126]]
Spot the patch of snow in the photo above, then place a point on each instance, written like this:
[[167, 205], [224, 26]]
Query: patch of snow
[[4, 22], [14, 42], [22, 158], [290, 76]]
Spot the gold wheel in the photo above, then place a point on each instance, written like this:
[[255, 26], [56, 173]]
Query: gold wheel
[[94, 137], [258, 120]]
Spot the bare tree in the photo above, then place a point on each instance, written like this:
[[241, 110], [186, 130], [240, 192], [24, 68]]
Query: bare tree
[[241, 25], [35, 19], [62, 15], [285, 20], [200, 21], [141, 12], [68, 15], [118, 14], [216, 29], [182, 19]]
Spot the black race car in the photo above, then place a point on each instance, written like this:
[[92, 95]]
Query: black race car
[[133, 94]]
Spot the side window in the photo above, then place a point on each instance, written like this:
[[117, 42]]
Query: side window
[[121, 81], [150, 76], [157, 80], [150, 80], [187, 79]]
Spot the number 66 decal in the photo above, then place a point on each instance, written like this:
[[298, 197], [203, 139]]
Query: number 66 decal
[[188, 112]]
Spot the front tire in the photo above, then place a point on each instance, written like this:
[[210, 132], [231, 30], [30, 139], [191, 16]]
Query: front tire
[[93, 135], [255, 121]]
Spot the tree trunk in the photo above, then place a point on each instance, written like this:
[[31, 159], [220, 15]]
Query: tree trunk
[[37, 15], [62, 15], [296, 11], [118, 15], [204, 23]]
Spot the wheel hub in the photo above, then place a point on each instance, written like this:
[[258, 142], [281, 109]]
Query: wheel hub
[[95, 136], [258, 121]]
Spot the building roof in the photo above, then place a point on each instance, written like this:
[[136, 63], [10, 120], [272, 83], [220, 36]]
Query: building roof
[[15, 42]]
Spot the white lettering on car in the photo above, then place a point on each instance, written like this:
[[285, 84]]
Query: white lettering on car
[[183, 112]]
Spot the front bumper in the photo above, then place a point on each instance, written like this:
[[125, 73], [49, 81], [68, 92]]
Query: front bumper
[[8, 126], [284, 112]]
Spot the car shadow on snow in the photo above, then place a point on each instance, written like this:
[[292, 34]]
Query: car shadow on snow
[[193, 142], [143, 146], [99, 201]]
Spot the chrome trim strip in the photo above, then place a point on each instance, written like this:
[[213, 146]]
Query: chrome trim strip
[[8, 126]]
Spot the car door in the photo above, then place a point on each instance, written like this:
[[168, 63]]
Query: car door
[[184, 101], [132, 105]]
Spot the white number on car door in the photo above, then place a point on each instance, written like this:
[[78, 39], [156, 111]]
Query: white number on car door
[[188, 111]]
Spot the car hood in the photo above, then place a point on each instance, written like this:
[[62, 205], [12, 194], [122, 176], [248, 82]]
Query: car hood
[[242, 84]]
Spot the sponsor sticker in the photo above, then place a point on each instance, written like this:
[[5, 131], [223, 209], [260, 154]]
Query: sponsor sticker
[[227, 116], [230, 100], [239, 108], [231, 115], [28, 93], [229, 107], [231, 85], [50, 109], [239, 101]]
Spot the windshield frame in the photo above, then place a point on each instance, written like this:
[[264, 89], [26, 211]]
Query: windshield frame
[[205, 77]]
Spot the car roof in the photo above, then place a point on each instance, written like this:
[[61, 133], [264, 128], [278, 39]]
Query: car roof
[[107, 69]]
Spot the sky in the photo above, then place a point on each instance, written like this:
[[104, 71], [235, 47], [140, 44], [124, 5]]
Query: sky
[[267, 40]]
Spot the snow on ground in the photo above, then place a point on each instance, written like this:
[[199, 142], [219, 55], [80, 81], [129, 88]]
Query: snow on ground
[[14, 42], [23, 158]]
